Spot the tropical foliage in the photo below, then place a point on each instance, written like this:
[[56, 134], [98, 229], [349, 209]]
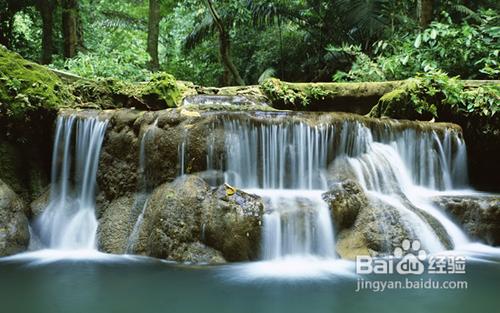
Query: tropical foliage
[[226, 42]]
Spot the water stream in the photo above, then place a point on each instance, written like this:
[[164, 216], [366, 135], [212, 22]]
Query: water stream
[[69, 222], [287, 162]]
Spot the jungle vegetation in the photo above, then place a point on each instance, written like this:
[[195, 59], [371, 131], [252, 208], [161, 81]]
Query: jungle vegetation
[[236, 42]]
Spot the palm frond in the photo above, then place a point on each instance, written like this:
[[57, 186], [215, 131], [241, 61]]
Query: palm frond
[[201, 31], [117, 19], [268, 73], [467, 12], [366, 17]]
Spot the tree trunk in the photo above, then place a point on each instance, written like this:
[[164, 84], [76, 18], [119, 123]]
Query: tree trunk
[[225, 45], [70, 27], [46, 8], [153, 34], [424, 12]]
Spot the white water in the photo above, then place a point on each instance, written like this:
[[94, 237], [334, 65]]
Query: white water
[[385, 170], [69, 222], [286, 163], [298, 224]]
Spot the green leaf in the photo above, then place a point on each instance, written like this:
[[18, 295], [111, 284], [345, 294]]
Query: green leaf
[[434, 34], [418, 41]]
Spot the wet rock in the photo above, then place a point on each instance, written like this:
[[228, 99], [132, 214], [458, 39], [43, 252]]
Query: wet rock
[[117, 172], [479, 215], [339, 171], [116, 224], [378, 229], [186, 218], [171, 218], [346, 200], [14, 231], [366, 225], [231, 223], [199, 253], [39, 204]]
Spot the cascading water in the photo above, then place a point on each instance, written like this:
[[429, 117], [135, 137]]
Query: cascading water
[[386, 168], [69, 220], [144, 192], [286, 162]]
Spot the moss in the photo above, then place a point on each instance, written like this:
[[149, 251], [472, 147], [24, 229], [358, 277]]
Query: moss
[[161, 92], [26, 87], [162, 87], [282, 95], [346, 97], [400, 103], [104, 93]]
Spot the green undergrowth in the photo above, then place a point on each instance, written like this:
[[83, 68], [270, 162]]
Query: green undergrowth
[[435, 95], [286, 95]]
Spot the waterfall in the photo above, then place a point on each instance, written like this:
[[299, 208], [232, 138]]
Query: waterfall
[[69, 220], [287, 162], [144, 191], [399, 169]]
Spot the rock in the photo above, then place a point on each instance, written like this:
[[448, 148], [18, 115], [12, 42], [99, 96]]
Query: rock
[[367, 225], [171, 218], [116, 224], [340, 170], [345, 200], [14, 227], [377, 229], [117, 173], [199, 253], [231, 223], [188, 221], [39, 204], [479, 215], [342, 97]]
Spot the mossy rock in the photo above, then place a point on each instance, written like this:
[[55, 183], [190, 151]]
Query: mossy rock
[[27, 87], [161, 92], [400, 103], [162, 88], [341, 97]]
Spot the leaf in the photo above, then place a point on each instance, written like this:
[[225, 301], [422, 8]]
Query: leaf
[[230, 190], [418, 41], [434, 34]]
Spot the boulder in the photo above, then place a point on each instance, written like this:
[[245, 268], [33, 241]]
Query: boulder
[[367, 225], [189, 221], [39, 204], [14, 227], [378, 229], [346, 200], [479, 215], [231, 223], [116, 224]]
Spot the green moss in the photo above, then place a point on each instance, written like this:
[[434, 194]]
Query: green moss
[[26, 87], [295, 95], [161, 92], [325, 96], [163, 87], [283, 95], [435, 95]]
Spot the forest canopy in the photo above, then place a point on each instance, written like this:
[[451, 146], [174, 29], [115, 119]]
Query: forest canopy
[[236, 42]]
